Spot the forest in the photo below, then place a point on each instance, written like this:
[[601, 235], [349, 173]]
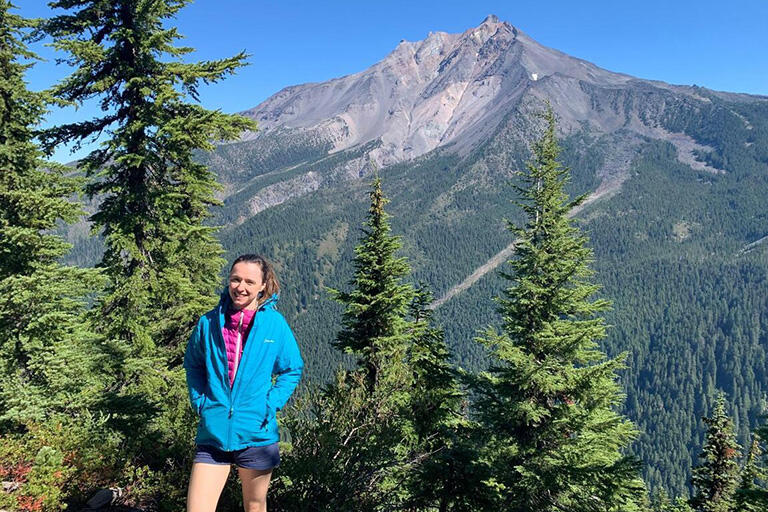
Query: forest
[[561, 396]]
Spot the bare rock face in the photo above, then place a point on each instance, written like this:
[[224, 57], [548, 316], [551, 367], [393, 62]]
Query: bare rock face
[[447, 89], [453, 92]]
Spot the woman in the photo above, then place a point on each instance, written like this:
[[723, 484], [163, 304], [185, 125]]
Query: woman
[[231, 359]]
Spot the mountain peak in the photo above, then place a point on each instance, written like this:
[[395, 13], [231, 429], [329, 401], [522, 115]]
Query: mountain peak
[[445, 89]]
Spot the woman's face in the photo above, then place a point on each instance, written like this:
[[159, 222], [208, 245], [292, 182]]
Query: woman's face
[[245, 284]]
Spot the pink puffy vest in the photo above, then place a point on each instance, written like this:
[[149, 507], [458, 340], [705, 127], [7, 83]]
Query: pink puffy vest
[[237, 324]]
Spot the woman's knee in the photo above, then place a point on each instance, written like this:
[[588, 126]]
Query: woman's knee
[[255, 484], [255, 504]]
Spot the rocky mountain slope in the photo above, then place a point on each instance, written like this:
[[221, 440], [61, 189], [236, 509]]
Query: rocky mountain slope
[[452, 91]]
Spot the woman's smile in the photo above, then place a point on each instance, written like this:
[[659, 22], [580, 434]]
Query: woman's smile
[[246, 283]]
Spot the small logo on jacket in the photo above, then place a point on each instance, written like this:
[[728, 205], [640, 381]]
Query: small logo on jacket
[[267, 340]]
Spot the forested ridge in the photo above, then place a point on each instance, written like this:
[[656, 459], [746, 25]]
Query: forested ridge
[[670, 251], [529, 403]]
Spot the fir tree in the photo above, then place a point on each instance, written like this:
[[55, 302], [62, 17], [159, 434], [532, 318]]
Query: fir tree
[[374, 325], [716, 478], [752, 476], [547, 404], [162, 261], [445, 476], [48, 355], [356, 439]]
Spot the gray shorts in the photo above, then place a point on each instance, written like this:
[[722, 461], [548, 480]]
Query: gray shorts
[[252, 457]]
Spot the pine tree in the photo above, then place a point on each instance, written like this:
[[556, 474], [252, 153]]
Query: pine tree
[[355, 438], [716, 478], [445, 476], [752, 476], [153, 197], [48, 355], [547, 403]]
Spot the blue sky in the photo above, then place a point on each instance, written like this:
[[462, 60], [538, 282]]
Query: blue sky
[[721, 45]]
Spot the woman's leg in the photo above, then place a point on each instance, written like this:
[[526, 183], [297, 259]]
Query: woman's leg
[[255, 483], [205, 485]]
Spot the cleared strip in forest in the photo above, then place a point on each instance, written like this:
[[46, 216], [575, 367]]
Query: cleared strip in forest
[[603, 191], [752, 245]]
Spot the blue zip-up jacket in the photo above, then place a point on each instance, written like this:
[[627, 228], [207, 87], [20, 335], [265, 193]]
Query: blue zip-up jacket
[[243, 415]]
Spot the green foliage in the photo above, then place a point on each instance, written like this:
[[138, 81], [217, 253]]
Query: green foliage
[[374, 327], [154, 195], [343, 449], [48, 357], [163, 262], [546, 405], [389, 432], [356, 436], [752, 496], [662, 503], [446, 476], [61, 460], [716, 478]]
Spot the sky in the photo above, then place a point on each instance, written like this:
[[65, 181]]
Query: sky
[[717, 44]]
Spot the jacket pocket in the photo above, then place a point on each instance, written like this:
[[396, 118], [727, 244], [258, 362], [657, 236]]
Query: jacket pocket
[[255, 411], [201, 405], [269, 415]]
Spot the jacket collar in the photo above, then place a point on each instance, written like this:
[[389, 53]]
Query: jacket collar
[[225, 300]]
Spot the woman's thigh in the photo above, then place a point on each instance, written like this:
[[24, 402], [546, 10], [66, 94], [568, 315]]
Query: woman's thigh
[[205, 485], [255, 484]]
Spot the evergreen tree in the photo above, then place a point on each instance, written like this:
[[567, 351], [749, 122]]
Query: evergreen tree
[[752, 475], [163, 262], [437, 397], [153, 196], [374, 324], [445, 477], [716, 478], [760, 496], [48, 355], [662, 503], [355, 440], [547, 404]]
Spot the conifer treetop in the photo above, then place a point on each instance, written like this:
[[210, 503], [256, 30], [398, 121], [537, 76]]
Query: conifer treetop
[[374, 325], [548, 400], [715, 480]]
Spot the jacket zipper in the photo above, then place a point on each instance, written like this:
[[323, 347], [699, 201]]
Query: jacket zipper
[[238, 345], [219, 331], [235, 383]]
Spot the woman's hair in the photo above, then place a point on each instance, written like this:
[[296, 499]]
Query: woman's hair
[[267, 274]]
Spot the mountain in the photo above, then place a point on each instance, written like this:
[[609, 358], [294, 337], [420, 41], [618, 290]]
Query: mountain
[[451, 91], [677, 178]]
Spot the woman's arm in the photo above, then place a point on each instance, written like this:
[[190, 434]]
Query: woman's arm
[[194, 364], [288, 366]]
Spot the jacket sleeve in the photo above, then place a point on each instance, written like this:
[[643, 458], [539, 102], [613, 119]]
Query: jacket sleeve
[[194, 364], [288, 366]]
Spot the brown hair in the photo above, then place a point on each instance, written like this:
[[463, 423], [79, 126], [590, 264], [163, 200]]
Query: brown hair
[[267, 275]]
